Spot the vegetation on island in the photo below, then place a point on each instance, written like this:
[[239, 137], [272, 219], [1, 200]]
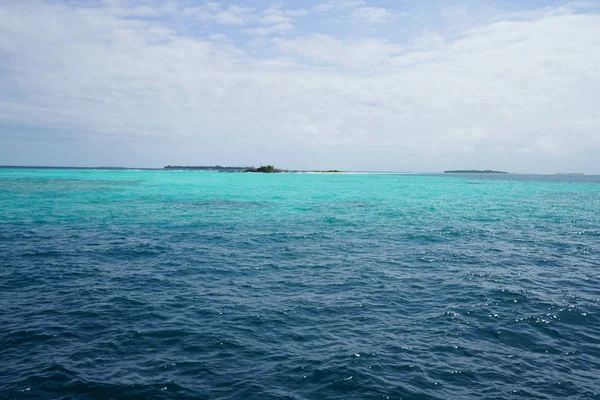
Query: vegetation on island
[[474, 171], [265, 169], [268, 169]]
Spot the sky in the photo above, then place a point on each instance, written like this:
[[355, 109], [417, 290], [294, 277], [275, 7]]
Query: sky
[[381, 85]]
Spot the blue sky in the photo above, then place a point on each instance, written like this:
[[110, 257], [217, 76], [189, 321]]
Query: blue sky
[[356, 85]]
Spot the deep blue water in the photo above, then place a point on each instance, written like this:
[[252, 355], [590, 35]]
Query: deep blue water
[[166, 284]]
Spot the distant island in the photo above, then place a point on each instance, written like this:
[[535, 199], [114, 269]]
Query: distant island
[[266, 169], [474, 171]]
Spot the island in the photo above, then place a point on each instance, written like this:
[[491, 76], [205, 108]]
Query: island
[[267, 169], [474, 171]]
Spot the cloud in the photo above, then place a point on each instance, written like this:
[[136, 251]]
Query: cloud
[[324, 7], [234, 15], [276, 21], [271, 29], [106, 87], [348, 3], [337, 5], [238, 15], [275, 16], [269, 21], [326, 50], [374, 15]]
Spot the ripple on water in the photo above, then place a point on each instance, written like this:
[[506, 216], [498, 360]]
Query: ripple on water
[[298, 286]]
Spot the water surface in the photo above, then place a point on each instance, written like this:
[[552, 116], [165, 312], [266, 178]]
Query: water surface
[[169, 284]]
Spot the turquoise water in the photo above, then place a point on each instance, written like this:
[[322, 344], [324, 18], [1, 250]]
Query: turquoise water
[[167, 284]]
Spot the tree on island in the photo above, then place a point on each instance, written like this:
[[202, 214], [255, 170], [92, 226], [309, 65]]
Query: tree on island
[[266, 169]]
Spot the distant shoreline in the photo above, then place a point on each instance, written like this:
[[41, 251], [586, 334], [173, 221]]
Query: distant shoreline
[[474, 171], [213, 169], [325, 172], [86, 168], [218, 168]]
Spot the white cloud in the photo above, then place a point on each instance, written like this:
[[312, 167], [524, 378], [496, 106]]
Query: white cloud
[[324, 7], [297, 13], [270, 21], [275, 19], [517, 94], [238, 15], [271, 29], [337, 5], [278, 16], [234, 15], [326, 50], [349, 3], [375, 15]]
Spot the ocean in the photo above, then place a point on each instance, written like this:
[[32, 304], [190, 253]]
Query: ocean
[[207, 285]]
